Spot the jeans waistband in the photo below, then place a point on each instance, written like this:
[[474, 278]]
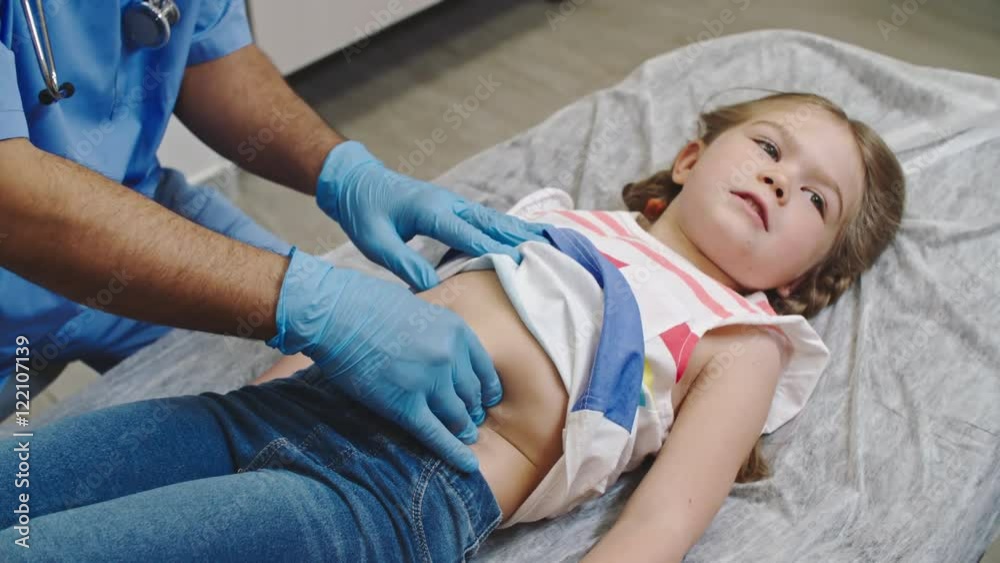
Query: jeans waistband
[[481, 507]]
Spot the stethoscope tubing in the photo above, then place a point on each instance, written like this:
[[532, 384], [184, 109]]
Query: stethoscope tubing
[[161, 12], [46, 62]]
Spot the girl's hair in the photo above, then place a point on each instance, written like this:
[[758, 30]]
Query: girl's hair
[[857, 245]]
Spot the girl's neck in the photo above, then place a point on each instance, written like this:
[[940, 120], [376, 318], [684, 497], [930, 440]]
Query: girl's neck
[[665, 231]]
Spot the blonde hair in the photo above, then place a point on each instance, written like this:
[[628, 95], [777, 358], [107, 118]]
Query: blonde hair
[[858, 244]]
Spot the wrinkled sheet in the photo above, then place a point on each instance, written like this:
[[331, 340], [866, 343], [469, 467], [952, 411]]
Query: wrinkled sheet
[[896, 457]]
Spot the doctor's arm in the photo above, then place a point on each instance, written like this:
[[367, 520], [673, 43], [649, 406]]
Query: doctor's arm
[[717, 424], [73, 231], [241, 106]]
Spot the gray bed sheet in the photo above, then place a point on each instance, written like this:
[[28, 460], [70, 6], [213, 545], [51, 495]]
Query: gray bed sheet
[[896, 457]]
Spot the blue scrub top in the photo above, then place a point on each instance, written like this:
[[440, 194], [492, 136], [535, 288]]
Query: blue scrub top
[[113, 124], [124, 97]]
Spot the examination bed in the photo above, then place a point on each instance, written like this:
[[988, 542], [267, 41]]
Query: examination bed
[[896, 457]]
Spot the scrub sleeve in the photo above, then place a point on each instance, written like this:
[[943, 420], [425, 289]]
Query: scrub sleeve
[[12, 122], [219, 32], [98, 338]]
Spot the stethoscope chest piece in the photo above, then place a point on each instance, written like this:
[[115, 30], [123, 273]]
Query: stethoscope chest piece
[[147, 24]]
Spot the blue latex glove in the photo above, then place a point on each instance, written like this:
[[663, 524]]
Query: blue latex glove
[[412, 362], [380, 210]]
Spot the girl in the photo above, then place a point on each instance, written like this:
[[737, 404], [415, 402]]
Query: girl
[[765, 219]]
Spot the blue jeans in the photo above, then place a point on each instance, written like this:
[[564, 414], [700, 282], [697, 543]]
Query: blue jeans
[[290, 470]]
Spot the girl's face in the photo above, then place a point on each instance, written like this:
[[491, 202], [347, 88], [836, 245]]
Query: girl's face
[[800, 163]]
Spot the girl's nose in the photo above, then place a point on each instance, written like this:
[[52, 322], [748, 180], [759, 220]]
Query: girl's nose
[[776, 182]]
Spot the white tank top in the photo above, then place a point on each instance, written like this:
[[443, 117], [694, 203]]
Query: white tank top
[[562, 305]]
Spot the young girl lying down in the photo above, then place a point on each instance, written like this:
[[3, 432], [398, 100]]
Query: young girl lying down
[[675, 330]]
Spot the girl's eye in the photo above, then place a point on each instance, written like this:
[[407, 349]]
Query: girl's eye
[[770, 148], [818, 202]]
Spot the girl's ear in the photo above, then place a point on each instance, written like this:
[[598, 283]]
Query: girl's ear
[[685, 161], [787, 289]]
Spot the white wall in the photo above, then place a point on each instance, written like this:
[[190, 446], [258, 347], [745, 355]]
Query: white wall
[[180, 149], [293, 38], [312, 30]]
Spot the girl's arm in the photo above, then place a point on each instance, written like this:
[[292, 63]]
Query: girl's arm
[[717, 425], [283, 368]]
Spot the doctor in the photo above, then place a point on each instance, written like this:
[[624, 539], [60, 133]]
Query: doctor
[[95, 233]]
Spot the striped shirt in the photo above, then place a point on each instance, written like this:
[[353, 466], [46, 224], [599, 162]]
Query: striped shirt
[[563, 306]]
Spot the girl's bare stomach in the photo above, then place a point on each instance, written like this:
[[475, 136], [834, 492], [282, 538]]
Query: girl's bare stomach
[[521, 438]]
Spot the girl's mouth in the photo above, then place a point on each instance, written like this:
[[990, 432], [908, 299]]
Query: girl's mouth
[[754, 206]]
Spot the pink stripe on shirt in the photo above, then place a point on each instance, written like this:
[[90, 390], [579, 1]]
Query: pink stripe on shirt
[[681, 342], [610, 221], [618, 263], [693, 284], [740, 299], [576, 218], [745, 303], [766, 307]]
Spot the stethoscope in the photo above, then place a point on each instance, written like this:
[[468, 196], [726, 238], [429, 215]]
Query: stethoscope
[[146, 25]]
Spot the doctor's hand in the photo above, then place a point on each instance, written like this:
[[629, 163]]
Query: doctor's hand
[[416, 364], [380, 210]]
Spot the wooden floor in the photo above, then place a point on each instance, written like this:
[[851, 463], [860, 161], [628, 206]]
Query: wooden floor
[[394, 92], [541, 56]]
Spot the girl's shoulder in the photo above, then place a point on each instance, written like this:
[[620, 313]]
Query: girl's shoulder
[[725, 348], [726, 344], [803, 358], [733, 338]]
